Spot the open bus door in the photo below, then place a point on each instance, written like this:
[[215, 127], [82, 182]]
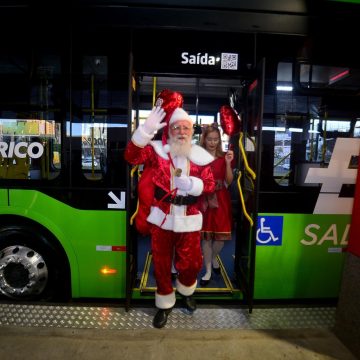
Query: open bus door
[[141, 282], [248, 184]]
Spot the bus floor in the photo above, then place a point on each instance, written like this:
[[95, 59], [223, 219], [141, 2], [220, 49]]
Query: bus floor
[[88, 331], [219, 284]]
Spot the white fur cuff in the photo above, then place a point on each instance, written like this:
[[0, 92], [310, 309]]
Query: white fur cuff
[[140, 137], [185, 290], [176, 223], [197, 186], [165, 301]]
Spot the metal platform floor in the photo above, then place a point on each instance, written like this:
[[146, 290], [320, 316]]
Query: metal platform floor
[[87, 332], [206, 317]]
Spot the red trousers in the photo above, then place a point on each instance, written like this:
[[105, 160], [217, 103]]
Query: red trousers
[[186, 250]]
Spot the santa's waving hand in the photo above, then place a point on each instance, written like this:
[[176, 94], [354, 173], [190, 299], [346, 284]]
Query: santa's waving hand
[[154, 122]]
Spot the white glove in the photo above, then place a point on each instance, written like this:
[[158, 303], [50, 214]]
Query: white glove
[[153, 122], [183, 182]]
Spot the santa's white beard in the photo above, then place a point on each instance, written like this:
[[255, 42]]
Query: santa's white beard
[[180, 145]]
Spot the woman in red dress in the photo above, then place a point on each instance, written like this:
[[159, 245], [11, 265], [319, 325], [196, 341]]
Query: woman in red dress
[[217, 214]]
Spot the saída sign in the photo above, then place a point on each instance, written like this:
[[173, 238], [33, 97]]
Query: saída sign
[[226, 61]]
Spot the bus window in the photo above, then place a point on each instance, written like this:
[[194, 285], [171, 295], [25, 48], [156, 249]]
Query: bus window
[[321, 77], [300, 128], [282, 153], [93, 98], [93, 148], [357, 129], [322, 138], [29, 149]]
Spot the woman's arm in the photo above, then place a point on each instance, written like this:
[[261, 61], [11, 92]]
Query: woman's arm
[[229, 176]]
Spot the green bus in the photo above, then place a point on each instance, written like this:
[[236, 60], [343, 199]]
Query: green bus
[[71, 97]]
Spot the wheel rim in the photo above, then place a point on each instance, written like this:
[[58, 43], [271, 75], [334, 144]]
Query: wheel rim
[[23, 272]]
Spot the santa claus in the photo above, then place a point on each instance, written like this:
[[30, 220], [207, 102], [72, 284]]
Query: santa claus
[[181, 173]]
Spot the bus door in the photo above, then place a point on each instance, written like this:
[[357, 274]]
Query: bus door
[[204, 97], [249, 164]]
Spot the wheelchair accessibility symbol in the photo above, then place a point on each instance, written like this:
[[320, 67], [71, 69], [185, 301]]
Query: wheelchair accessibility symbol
[[269, 230]]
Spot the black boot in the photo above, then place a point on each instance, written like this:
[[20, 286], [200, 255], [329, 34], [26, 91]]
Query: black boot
[[189, 303], [204, 282], [160, 318], [174, 276]]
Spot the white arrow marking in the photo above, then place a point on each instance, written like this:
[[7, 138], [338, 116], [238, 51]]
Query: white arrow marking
[[119, 202]]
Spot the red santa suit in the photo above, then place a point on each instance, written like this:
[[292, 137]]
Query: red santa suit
[[174, 215], [216, 208]]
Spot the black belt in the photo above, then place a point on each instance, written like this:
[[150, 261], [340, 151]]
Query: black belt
[[176, 200]]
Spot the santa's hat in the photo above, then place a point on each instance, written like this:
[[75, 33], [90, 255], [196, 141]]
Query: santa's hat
[[180, 114], [171, 102]]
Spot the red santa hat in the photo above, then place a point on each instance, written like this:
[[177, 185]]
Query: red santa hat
[[180, 114], [171, 102]]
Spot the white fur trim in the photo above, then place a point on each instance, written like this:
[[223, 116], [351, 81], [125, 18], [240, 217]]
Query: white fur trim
[[197, 186], [167, 148], [185, 290], [165, 301], [140, 137], [176, 223], [200, 156], [180, 114], [159, 149]]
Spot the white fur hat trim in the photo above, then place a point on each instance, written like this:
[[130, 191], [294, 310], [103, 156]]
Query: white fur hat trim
[[180, 114], [166, 148]]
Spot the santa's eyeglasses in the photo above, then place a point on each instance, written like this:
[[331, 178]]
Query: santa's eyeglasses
[[178, 128]]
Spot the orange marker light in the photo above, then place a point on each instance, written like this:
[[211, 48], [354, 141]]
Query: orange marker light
[[107, 271]]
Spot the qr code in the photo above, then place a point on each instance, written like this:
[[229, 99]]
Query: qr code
[[229, 61]]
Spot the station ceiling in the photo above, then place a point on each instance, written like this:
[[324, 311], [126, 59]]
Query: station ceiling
[[330, 25], [264, 16], [276, 16], [295, 17]]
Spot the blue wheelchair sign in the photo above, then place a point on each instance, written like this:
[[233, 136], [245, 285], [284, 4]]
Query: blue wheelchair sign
[[269, 230]]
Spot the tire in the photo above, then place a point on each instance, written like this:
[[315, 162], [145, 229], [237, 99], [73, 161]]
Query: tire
[[30, 266]]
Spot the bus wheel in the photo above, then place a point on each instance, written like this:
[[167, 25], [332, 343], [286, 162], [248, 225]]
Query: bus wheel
[[28, 265]]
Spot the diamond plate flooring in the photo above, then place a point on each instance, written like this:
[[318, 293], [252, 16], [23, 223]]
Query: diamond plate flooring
[[95, 317], [83, 332]]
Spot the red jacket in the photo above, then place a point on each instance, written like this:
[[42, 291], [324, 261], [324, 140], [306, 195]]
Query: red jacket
[[178, 218]]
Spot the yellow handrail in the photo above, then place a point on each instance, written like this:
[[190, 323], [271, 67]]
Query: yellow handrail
[[283, 158], [247, 167], [154, 89], [135, 213], [132, 172], [251, 177], [243, 201]]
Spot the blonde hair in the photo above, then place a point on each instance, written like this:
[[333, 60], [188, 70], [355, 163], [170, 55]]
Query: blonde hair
[[206, 130]]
